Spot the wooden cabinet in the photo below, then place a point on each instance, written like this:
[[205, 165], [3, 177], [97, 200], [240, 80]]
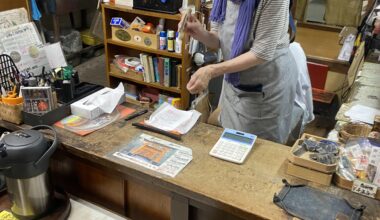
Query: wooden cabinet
[[114, 47]]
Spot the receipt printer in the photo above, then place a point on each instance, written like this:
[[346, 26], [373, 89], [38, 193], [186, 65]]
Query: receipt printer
[[165, 6]]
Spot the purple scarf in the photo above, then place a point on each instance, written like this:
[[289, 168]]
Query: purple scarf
[[242, 28]]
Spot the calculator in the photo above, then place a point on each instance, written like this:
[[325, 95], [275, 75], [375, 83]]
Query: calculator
[[233, 146]]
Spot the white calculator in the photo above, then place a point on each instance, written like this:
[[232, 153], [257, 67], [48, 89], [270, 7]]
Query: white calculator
[[233, 146]]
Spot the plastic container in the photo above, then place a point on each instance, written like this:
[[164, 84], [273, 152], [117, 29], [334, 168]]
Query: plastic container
[[178, 44], [89, 39], [171, 41]]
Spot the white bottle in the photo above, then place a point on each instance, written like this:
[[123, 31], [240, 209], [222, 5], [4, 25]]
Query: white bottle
[[178, 44]]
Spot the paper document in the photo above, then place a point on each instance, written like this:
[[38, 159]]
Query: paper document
[[348, 46], [23, 44], [55, 55], [13, 17], [362, 113], [156, 154], [108, 101], [168, 118]]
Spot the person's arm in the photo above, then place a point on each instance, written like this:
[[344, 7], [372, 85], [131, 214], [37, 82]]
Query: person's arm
[[196, 30], [200, 79], [273, 20]]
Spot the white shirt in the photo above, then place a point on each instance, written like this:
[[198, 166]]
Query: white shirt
[[304, 96]]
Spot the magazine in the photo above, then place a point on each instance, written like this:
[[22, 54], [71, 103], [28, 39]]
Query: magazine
[[83, 126]]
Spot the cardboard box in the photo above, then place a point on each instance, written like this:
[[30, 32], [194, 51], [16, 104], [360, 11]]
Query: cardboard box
[[341, 182], [305, 161], [136, 38], [309, 174], [82, 109]]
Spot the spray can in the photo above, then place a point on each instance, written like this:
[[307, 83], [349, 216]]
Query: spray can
[[163, 40]]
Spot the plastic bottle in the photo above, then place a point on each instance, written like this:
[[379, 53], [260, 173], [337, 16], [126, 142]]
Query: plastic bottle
[[161, 25], [178, 43], [163, 40], [171, 41]]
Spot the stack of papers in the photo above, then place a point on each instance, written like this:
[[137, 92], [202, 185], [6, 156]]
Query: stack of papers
[[168, 118], [362, 113]]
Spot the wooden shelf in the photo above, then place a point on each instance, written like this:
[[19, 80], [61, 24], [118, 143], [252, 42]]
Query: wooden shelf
[[145, 49], [113, 6], [114, 46], [154, 85]]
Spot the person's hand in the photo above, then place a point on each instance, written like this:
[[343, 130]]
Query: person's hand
[[193, 27], [376, 29], [199, 80]]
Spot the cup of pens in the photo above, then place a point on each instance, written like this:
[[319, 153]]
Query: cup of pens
[[11, 105]]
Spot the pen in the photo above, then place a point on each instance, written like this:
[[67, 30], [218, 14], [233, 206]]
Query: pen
[[157, 130], [137, 114]]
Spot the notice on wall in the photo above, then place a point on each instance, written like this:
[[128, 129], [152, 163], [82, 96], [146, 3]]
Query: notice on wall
[[25, 47], [13, 17]]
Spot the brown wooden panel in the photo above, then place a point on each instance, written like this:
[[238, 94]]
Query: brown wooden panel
[[146, 202], [199, 211], [319, 43], [88, 181], [11, 4]]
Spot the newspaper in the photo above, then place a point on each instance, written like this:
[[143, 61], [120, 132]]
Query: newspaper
[[156, 154], [24, 45], [13, 17]]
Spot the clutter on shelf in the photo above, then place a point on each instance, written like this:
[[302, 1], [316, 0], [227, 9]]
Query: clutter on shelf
[[146, 34]]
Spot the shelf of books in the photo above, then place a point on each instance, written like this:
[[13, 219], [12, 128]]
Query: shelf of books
[[142, 51]]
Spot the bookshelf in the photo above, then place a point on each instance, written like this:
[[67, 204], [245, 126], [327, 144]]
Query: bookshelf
[[115, 47]]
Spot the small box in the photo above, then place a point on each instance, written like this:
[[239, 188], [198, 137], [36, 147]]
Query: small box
[[130, 74], [11, 113], [309, 174], [136, 38], [89, 111], [341, 182], [304, 159], [48, 118], [119, 22]]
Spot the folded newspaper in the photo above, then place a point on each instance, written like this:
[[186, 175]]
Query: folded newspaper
[[156, 154]]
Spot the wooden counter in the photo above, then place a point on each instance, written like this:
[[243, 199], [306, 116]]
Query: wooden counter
[[208, 188]]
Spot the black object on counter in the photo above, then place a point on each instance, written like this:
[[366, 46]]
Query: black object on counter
[[157, 130], [24, 160], [136, 114], [305, 202]]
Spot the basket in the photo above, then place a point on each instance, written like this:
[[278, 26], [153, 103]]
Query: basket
[[8, 71], [354, 130], [11, 113]]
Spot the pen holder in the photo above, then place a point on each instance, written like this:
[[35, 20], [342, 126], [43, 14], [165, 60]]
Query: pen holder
[[65, 90], [11, 113]]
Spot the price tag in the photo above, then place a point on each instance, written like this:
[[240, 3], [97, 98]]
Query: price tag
[[356, 151], [365, 189]]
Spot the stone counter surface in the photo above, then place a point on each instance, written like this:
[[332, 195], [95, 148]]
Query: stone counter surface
[[244, 190]]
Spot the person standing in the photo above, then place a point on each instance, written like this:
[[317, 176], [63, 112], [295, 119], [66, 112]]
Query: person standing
[[260, 74]]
